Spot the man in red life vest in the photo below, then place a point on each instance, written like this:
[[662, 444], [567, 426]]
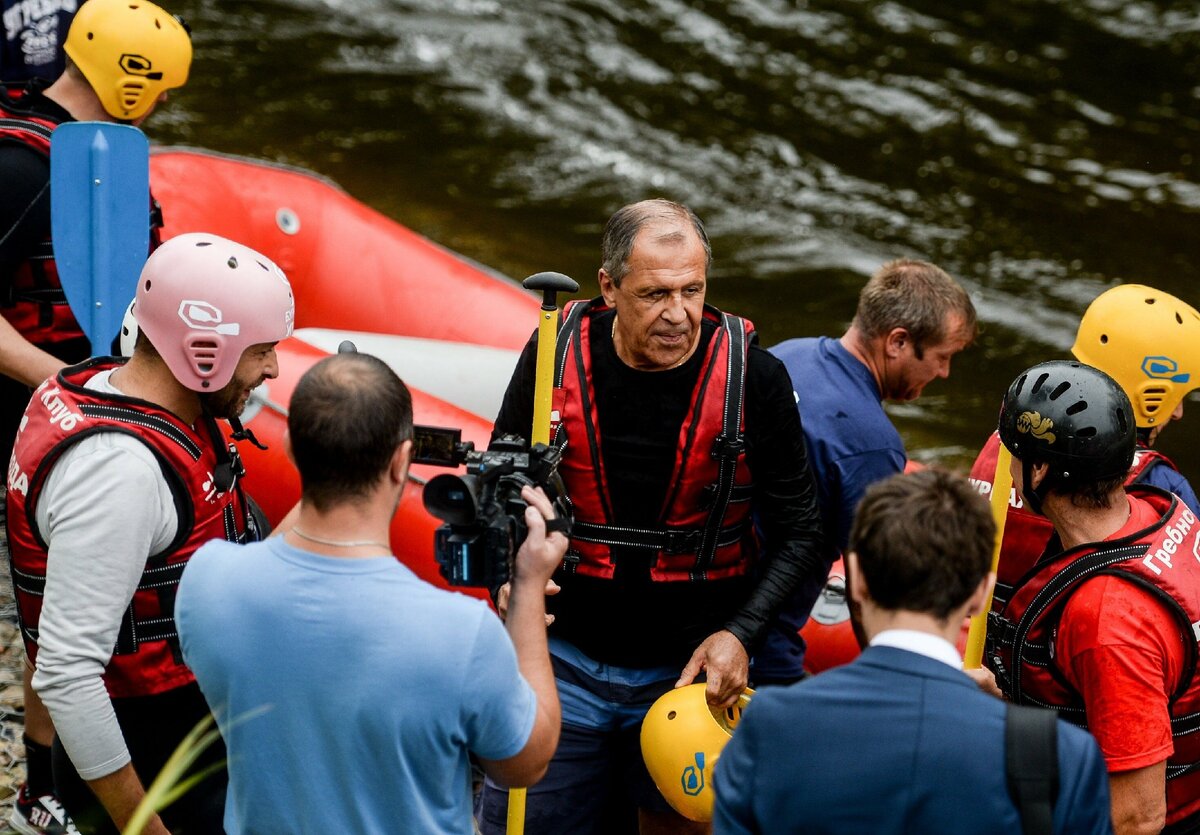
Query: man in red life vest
[[1149, 342], [38, 333], [119, 473], [101, 83], [1104, 625], [675, 428]]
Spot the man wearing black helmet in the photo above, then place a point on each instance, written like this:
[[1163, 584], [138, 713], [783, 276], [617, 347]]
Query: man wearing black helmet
[[1104, 625]]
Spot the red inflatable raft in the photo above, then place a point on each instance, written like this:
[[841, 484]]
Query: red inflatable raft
[[356, 275]]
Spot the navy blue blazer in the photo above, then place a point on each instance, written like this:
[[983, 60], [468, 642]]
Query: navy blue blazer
[[893, 742]]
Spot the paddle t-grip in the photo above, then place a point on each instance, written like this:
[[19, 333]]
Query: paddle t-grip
[[550, 285]]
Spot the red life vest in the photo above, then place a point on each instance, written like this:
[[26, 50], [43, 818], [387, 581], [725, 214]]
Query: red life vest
[[1161, 559], [203, 478], [34, 303], [704, 529], [1026, 534]]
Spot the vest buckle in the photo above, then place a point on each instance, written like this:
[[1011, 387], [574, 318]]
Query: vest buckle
[[681, 541], [731, 447]]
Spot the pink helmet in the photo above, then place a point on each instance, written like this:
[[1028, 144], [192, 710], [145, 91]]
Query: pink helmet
[[203, 299]]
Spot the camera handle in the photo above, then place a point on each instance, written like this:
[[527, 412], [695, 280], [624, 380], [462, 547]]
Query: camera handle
[[550, 285]]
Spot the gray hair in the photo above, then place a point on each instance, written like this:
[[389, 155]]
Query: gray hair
[[623, 227]]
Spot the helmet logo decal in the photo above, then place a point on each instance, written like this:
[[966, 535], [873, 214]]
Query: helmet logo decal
[[139, 65], [202, 316], [1163, 368], [1032, 423], [693, 776]]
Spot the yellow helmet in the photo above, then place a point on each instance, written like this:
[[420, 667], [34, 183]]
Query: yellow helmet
[[1146, 340], [682, 738], [130, 51]]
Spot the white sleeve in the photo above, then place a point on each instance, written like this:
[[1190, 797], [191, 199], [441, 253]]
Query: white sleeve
[[105, 507]]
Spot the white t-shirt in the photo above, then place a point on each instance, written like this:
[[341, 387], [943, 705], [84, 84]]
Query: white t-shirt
[[104, 508]]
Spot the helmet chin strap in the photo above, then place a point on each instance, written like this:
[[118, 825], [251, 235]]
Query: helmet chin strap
[[241, 433], [229, 463]]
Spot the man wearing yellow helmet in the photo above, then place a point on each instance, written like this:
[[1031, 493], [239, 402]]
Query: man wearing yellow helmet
[[1149, 342], [122, 59]]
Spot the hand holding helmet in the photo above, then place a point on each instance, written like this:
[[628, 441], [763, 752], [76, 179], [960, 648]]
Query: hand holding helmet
[[682, 738]]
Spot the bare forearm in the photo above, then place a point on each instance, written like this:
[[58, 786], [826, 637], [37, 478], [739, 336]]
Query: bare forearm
[[121, 792], [527, 628], [22, 360], [1139, 799]]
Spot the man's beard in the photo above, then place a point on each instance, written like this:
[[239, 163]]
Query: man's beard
[[224, 403]]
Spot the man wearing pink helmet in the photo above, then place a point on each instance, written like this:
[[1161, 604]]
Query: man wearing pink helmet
[[119, 473], [38, 331]]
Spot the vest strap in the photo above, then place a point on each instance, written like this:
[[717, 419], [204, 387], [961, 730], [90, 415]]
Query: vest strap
[[1031, 765], [668, 540], [729, 446]]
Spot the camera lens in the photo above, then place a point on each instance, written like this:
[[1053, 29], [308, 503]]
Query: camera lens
[[452, 498]]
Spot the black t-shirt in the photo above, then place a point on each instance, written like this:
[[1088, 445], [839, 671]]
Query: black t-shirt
[[630, 620], [25, 198]]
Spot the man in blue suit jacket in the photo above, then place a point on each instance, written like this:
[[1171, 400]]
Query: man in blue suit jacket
[[900, 740]]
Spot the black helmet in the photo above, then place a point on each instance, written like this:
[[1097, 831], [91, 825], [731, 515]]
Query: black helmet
[[1072, 417]]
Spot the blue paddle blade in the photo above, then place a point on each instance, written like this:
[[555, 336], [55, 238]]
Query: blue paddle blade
[[100, 221]]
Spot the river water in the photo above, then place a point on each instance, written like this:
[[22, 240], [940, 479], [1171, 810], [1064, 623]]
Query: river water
[[1039, 151]]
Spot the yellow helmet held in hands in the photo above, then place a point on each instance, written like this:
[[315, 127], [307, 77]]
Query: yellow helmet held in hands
[[130, 51], [1146, 340], [682, 737]]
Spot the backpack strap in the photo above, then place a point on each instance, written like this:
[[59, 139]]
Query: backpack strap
[[1031, 765]]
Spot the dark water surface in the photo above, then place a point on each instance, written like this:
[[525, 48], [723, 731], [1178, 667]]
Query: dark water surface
[[1039, 151]]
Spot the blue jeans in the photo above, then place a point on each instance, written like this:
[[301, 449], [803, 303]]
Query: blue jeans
[[597, 778]]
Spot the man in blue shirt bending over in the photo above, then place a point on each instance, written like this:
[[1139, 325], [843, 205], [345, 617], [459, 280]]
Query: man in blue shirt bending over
[[912, 318]]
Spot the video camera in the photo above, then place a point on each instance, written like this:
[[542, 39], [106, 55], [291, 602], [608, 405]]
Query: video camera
[[483, 509]]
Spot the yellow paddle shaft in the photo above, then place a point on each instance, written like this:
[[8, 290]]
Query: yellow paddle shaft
[[543, 391], [516, 812], [1001, 488]]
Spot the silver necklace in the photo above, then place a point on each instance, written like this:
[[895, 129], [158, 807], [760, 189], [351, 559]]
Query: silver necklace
[[353, 543]]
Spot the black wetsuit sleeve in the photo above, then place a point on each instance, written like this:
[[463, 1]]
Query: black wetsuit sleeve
[[784, 500], [24, 206], [516, 409]]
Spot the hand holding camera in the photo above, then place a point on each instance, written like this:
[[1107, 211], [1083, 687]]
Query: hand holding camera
[[539, 555], [488, 509]]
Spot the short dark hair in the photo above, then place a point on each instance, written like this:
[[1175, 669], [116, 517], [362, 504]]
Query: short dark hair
[[347, 416], [1095, 495], [622, 229], [914, 295], [924, 541]]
